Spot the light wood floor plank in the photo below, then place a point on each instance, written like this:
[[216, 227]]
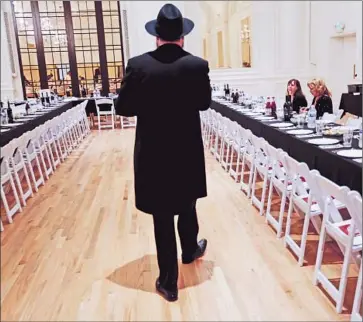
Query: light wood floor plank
[[81, 251]]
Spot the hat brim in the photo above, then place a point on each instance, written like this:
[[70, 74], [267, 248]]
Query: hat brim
[[188, 26]]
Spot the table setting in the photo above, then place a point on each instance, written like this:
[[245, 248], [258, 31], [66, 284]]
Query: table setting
[[26, 119], [337, 157]]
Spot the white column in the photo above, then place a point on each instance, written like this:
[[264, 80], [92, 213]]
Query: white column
[[194, 41], [7, 89], [263, 36], [11, 86], [290, 41]]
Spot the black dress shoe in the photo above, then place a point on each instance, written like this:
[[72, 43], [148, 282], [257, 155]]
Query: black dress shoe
[[170, 296], [202, 246]]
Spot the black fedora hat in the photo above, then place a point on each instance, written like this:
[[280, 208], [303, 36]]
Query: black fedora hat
[[170, 24]]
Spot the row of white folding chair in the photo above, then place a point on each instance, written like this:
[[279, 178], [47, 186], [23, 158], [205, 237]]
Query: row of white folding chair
[[294, 182], [326, 197], [316, 194], [230, 144], [55, 138]]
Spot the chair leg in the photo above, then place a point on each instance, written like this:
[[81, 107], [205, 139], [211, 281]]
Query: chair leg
[[344, 279], [263, 197], [319, 257], [282, 211], [304, 237], [357, 298], [269, 201], [6, 205]]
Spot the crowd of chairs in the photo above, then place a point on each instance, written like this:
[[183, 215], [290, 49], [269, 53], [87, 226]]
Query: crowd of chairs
[[334, 211], [34, 157]]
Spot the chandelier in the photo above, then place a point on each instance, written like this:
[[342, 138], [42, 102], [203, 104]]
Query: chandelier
[[21, 22], [52, 35]]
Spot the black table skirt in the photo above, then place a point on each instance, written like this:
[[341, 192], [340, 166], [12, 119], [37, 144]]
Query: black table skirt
[[351, 103], [15, 132], [343, 171]]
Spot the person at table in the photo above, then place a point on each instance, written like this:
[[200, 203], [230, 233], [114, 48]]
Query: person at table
[[296, 96], [322, 97]]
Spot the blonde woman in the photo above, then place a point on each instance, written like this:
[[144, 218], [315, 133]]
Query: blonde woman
[[322, 97]]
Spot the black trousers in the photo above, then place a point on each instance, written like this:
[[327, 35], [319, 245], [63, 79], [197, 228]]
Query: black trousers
[[165, 239]]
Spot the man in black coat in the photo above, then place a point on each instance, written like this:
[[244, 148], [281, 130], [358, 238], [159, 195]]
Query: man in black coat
[[165, 89]]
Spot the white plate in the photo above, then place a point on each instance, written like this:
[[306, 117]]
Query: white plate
[[323, 141], [353, 153], [300, 132], [358, 160], [265, 118], [282, 125], [252, 114], [12, 124], [4, 130]]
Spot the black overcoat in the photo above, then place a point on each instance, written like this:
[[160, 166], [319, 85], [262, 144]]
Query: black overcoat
[[166, 89]]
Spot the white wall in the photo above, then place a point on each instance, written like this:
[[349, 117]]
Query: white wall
[[290, 39], [329, 56], [139, 13], [279, 49]]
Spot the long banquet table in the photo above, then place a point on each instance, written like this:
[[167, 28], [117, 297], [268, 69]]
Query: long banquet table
[[16, 131], [340, 170]]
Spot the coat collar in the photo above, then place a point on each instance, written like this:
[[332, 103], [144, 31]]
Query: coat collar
[[168, 53]]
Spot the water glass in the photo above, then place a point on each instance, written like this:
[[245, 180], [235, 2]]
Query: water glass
[[319, 127], [300, 121], [348, 138]]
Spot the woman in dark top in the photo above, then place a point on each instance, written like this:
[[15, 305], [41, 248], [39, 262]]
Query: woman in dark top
[[322, 97], [297, 97]]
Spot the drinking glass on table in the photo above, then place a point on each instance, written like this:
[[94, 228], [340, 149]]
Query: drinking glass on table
[[319, 127], [300, 120], [348, 138]]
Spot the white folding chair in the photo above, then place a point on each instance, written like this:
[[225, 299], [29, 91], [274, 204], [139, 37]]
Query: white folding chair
[[128, 121], [30, 155], [344, 232], [230, 133], [238, 148], [354, 205], [109, 112], [219, 134], [261, 168], [17, 164], [280, 181], [248, 162], [6, 177], [42, 149]]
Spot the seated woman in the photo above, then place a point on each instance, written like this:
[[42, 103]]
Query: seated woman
[[322, 97], [297, 98]]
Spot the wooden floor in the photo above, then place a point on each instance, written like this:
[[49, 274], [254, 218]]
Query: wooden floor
[[80, 251]]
